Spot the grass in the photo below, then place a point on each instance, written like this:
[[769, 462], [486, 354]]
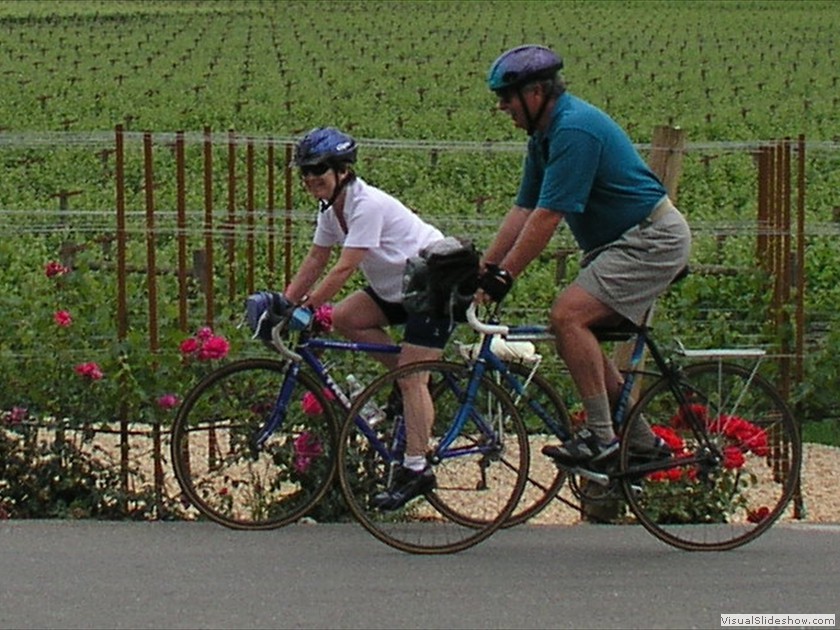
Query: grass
[[822, 432]]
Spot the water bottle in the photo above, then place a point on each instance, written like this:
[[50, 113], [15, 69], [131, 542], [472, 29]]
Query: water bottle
[[370, 412]]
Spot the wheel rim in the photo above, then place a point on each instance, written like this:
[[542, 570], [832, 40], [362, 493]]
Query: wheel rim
[[732, 492]]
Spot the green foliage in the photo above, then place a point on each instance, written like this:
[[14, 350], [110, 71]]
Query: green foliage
[[415, 69], [824, 432], [412, 71], [676, 502], [45, 474]]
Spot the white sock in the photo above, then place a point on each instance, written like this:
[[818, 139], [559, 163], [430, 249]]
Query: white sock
[[417, 463]]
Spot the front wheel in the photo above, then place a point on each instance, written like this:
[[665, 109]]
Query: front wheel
[[480, 475], [734, 464], [232, 480]]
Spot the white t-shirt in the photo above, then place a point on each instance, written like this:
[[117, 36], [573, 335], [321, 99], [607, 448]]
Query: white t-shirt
[[381, 223]]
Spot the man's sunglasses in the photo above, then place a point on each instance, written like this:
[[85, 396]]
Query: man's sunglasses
[[314, 169], [505, 95]]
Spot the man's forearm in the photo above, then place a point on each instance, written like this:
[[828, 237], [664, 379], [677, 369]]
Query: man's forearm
[[505, 236], [531, 241]]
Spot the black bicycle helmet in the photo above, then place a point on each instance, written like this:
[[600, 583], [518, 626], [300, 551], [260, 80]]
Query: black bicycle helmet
[[325, 144], [523, 64]]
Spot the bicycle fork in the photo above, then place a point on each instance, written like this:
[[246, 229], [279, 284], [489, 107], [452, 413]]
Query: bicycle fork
[[278, 409]]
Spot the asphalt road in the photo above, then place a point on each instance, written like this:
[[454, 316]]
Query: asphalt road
[[87, 574]]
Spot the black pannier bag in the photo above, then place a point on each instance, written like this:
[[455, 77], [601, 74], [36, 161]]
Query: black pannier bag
[[441, 281]]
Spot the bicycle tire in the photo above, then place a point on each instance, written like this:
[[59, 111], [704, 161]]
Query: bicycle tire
[[475, 494], [217, 467], [716, 506], [545, 480]]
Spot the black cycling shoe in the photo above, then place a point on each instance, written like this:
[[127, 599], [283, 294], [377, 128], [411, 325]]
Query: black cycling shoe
[[406, 485], [584, 449]]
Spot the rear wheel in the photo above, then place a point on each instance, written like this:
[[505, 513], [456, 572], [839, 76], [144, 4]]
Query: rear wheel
[[732, 487]]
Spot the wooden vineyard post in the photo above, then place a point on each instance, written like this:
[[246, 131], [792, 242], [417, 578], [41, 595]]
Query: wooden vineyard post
[[666, 160]]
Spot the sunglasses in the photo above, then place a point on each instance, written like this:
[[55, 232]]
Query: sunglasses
[[314, 169], [505, 95]]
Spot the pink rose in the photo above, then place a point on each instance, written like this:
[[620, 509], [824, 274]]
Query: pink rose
[[168, 401], [307, 448], [189, 346], [214, 348], [17, 415], [90, 371], [62, 318], [323, 318], [310, 404], [205, 346], [204, 333]]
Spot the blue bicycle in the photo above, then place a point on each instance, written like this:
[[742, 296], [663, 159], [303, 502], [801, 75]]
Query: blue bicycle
[[725, 469], [254, 446]]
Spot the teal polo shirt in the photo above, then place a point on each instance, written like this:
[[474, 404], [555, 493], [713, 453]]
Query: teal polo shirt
[[585, 167]]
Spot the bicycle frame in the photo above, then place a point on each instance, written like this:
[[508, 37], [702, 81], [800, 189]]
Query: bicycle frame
[[487, 361], [467, 408], [306, 353], [642, 341], [710, 453], [733, 449]]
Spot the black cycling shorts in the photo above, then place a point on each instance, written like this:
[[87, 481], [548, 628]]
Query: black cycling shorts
[[420, 330]]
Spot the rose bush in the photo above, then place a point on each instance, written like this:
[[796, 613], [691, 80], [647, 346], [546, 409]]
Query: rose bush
[[689, 494], [64, 382]]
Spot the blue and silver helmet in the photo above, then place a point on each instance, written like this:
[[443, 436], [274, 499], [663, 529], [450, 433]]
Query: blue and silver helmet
[[325, 144], [522, 65]]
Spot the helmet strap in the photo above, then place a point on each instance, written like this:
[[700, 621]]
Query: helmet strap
[[325, 204], [534, 120]]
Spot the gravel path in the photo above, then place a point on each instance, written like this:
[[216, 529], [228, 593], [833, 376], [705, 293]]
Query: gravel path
[[820, 484]]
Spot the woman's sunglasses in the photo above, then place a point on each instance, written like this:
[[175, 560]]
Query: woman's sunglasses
[[314, 169]]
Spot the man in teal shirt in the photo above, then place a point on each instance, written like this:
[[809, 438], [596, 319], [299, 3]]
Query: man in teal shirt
[[581, 167]]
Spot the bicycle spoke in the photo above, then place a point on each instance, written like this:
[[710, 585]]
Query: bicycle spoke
[[545, 417], [221, 472], [480, 475], [729, 478]]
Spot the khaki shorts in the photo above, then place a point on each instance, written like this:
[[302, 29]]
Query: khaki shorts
[[631, 272]]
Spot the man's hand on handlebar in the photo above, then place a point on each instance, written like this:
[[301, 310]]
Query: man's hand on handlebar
[[495, 282]]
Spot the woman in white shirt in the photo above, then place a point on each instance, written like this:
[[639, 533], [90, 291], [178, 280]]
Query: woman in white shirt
[[376, 234]]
